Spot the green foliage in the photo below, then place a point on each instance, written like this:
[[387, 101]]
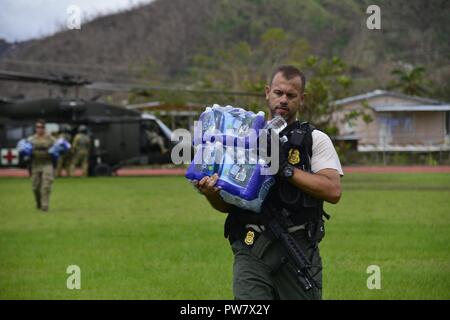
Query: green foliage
[[242, 41], [272, 37], [411, 81], [246, 67], [352, 116], [367, 118], [328, 81], [118, 47]]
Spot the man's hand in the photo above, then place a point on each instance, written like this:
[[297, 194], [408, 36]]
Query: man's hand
[[207, 187]]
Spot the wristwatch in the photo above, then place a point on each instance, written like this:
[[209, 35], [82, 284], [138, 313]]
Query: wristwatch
[[288, 171]]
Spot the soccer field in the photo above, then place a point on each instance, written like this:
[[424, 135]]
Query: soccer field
[[156, 238]]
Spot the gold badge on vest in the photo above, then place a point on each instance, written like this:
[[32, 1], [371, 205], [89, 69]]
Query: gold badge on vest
[[294, 156]]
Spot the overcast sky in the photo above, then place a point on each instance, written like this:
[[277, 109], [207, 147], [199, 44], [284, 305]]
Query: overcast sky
[[26, 19]]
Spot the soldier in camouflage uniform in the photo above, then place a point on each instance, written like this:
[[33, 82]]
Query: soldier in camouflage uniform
[[42, 172], [65, 159], [80, 151]]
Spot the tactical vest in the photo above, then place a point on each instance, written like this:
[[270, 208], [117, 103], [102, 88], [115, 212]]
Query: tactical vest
[[283, 195], [40, 155]]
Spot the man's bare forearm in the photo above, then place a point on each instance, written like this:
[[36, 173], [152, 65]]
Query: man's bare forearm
[[217, 203], [317, 185]]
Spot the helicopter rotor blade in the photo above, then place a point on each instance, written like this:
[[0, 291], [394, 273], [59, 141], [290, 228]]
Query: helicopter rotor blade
[[63, 80], [76, 81], [109, 86]]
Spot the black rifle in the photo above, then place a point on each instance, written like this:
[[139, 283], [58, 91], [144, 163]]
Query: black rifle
[[277, 225]]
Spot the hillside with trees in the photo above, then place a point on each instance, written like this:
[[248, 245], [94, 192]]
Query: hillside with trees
[[233, 45]]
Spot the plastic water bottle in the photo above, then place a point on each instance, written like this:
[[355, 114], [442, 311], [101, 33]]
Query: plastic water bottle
[[207, 161], [240, 178], [277, 124], [254, 204]]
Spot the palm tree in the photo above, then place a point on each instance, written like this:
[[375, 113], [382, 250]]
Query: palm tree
[[410, 81]]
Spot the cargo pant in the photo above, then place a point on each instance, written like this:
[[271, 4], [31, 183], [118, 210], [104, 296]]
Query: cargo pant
[[80, 157], [42, 177], [261, 273], [63, 164]]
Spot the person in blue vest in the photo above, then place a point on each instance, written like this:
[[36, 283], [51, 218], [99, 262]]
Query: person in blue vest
[[309, 173]]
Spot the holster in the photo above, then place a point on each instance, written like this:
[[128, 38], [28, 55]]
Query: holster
[[315, 231]]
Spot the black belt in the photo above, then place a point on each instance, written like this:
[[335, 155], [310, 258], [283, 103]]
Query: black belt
[[251, 232]]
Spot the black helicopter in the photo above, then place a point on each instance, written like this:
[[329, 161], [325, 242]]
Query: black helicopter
[[118, 134], [121, 136]]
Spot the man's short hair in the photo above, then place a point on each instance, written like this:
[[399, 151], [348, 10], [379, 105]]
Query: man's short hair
[[40, 121], [289, 72]]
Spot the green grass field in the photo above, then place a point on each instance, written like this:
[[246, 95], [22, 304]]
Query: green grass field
[[156, 238]]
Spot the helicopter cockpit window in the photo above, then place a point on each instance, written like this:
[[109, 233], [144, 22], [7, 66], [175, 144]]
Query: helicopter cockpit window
[[28, 130], [154, 136], [16, 132], [52, 128]]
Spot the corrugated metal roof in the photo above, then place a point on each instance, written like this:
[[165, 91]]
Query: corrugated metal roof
[[417, 148], [433, 107], [347, 137], [377, 93]]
